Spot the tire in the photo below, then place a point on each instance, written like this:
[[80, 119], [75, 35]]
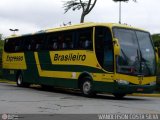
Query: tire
[[119, 96], [20, 82], [86, 88]]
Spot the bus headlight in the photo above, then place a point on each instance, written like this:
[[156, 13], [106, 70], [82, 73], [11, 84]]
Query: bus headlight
[[122, 82], [153, 83]]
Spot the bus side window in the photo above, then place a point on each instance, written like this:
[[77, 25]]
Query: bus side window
[[39, 46], [17, 45], [52, 41], [61, 42], [27, 44], [40, 42], [64, 45], [12, 45], [32, 46], [29, 47], [68, 40], [85, 39], [55, 45], [9, 44]]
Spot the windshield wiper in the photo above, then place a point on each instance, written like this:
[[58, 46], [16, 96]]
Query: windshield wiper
[[125, 56], [143, 60]]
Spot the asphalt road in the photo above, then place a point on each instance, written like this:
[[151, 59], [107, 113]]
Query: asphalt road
[[17, 100]]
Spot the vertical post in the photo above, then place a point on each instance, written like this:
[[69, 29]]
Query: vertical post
[[119, 12]]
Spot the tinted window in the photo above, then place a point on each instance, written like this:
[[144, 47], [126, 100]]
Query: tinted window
[[65, 40], [27, 44], [68, 41], [34, 43], [52, 43], [104, 48], [13, 45], [39, 42], [60, 40], [84, 39]]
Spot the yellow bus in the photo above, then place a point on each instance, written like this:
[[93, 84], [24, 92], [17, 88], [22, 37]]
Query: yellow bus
[[91, 57]]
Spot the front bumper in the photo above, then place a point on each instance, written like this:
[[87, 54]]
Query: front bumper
[[128, 89]]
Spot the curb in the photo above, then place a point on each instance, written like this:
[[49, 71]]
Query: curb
[[145, 95]]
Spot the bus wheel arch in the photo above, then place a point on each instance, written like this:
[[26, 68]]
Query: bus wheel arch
[[85, 84]]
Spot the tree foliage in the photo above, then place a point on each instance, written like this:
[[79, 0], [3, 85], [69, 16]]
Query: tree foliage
[[0, 36], [1, 43], [156, 38], [1, 48], [86, 6]]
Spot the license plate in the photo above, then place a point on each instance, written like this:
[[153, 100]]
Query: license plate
[[140, 89]]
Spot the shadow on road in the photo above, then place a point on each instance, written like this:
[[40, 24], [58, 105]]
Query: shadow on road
[[77, 93], [74, 92]]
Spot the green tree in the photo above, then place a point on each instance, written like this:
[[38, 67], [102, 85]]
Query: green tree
[[156, 41], [0, 36], [156, 38], [86, 7], [1, 43], [1, 48]]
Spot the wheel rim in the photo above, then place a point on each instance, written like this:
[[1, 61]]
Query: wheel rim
[[86, 87], [19, 81]]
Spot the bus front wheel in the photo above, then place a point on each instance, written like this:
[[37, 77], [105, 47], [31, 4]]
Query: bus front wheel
[[86, 88]]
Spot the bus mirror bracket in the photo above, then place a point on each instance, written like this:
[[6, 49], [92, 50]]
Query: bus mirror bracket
[[116, 47]]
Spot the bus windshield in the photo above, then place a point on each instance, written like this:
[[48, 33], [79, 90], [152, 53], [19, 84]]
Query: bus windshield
[[137, 55]]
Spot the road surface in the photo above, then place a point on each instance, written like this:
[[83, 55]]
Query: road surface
[[17, 100]]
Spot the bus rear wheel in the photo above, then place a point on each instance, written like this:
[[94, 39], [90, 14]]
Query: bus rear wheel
[[20, 82], [86, 88]]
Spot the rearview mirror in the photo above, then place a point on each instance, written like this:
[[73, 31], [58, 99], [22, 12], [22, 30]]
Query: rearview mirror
[[116, 46]]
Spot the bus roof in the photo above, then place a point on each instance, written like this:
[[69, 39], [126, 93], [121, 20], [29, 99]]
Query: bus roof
[[90, 24], [76, 26]]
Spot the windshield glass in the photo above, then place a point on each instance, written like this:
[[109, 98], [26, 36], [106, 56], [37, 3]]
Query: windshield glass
[[137, 54]]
